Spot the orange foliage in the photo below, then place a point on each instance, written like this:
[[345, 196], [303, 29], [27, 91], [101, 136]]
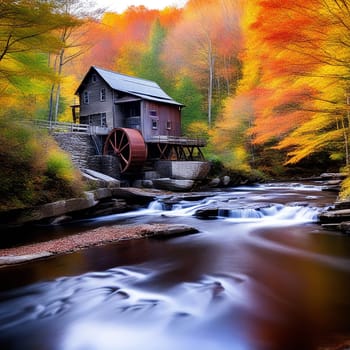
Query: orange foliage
[[290, 36], [115, 34], [293, 32], [169, 16]]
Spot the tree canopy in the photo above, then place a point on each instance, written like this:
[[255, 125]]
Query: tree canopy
[[261, 79]]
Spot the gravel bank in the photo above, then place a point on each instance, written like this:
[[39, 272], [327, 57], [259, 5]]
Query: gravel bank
[[98, 236]]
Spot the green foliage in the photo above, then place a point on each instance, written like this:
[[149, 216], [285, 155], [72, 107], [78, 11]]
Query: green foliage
[[33, 170], [187, 93], [219, 169], [59, 165], [151, 67]]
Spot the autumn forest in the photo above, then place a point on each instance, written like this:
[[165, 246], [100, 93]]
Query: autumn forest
[[267, 82]]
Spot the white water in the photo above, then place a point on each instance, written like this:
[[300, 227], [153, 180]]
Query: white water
[[268, 213]]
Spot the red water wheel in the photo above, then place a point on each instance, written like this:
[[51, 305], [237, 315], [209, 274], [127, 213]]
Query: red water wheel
[[129, 146]]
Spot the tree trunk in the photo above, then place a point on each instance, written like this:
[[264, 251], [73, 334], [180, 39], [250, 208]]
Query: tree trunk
[[346, 130], [58, 90], [211, 61]]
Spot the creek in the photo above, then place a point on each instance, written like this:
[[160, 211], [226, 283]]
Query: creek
[[251, 279]]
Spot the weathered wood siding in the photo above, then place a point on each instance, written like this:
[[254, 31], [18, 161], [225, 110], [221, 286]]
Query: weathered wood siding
[[160, 119], [121, 109], [92, 86]]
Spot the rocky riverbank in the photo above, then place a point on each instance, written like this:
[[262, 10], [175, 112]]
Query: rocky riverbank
[[110, 198], [107, 198], [337, 217]]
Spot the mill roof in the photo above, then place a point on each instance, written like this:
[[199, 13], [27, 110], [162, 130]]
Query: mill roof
[[145, 89]]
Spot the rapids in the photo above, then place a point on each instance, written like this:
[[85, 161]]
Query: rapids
[[262, 274]]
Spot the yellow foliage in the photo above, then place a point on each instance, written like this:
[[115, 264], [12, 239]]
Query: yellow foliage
[[69, 85], [58, 165], [252, 47], [227, 138], [345, 189], [198, 129], [309, 144]]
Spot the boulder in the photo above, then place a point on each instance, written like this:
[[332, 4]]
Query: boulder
[[17, 259], [136, 195], [55, 209], [147, 183], [342, 204], [169, 231], [173, 184], [108, 207], [345, 227], [207, 213], [60, 208], [232, 209], [102, 193], [334, 216], [187, 196], [214, 182], [332, 176], [100, 179], [226, 180]]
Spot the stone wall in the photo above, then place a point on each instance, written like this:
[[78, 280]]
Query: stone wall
[[79, 146], [108, 165], [83, 153]]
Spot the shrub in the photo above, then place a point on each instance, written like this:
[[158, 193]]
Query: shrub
[[33, 169], [58, 165]]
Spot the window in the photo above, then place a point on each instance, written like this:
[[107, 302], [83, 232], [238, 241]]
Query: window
[[154, 124], [102, 94], [153, 113], [94, 78], [86, 97], [168, 125], [104, 120], [99, 119]]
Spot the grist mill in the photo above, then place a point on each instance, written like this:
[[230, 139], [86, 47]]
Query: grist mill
[[129, 128]]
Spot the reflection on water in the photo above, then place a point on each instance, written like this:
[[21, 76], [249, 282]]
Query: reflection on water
[[251, 279]]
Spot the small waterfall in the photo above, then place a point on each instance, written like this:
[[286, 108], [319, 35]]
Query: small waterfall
[[275, 213], [242, 213], [222, 210], [297, 213], [155, 205], [233, 206]]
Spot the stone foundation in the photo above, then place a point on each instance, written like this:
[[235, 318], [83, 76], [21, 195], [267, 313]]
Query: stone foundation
[[183, 170], [83, 153], [108, 165], [79, 146]]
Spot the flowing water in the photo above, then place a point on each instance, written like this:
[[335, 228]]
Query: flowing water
[[262, 274]]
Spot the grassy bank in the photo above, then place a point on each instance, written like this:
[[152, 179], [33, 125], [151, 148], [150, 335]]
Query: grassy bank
[[33, 169]]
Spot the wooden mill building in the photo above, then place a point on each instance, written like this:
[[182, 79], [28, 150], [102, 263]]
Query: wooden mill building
[[133, 119]]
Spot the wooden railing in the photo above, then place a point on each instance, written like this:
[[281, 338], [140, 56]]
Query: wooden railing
[[62, 126], [177, 140], [72, 127]]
